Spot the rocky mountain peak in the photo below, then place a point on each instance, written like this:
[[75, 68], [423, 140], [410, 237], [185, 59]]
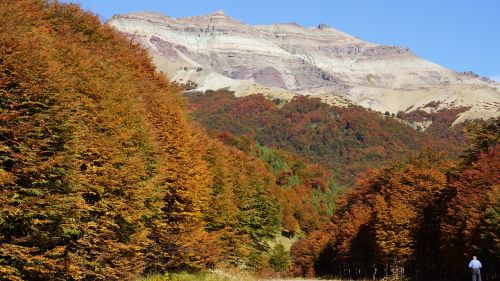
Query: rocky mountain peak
[[323, 26], [219, 13], [216, 51]]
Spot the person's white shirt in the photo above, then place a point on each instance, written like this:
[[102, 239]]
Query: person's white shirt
[[475, 264]]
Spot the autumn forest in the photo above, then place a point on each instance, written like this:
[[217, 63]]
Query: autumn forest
[[109, 171]]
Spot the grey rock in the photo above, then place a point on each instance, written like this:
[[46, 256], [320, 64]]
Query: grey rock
[[312, 61]]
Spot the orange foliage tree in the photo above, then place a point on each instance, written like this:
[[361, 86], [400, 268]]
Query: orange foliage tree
[[97, 162], [471, 219], [244, 211], [374, 230]]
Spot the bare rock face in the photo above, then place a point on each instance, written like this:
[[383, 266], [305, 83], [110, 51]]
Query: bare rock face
[[217, 51]]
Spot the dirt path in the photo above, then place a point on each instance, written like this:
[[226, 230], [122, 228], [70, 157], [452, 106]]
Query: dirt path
[[300, 279]]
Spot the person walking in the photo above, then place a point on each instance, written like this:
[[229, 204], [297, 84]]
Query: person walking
[[475, 267]]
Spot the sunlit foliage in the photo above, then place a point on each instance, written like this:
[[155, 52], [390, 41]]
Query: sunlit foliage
[[424, 217], [345, 140]]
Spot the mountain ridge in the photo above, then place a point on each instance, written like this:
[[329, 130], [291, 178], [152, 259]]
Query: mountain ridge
[[283, 60]]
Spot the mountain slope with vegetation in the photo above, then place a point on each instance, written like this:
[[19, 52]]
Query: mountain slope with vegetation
[[101, 175], [216, 51], [345, 140]]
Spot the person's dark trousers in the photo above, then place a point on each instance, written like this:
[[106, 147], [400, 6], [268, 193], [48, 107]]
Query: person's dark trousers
[[476, 274]]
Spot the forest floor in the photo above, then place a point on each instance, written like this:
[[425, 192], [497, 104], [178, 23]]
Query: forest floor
[[234, 276], [219, 275]]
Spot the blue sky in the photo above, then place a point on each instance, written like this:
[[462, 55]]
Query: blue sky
[[463, 35]]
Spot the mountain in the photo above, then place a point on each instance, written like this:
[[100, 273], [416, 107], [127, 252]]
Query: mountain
[[283, 60]]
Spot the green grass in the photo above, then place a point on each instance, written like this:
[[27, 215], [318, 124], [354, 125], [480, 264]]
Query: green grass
[[219, 276], [184, 277], [201, 276]]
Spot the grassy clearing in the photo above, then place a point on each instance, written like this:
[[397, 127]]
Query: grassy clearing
[[185, 277], [201, 276], [220, 275]]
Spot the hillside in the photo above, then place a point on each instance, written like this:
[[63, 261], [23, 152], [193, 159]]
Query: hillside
[[346, 140], [102, 176], [216, 51]]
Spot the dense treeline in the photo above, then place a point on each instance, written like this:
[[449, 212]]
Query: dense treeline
[[306, 192], [74, 161], [347, 141], [101, 175], [424, 218]]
